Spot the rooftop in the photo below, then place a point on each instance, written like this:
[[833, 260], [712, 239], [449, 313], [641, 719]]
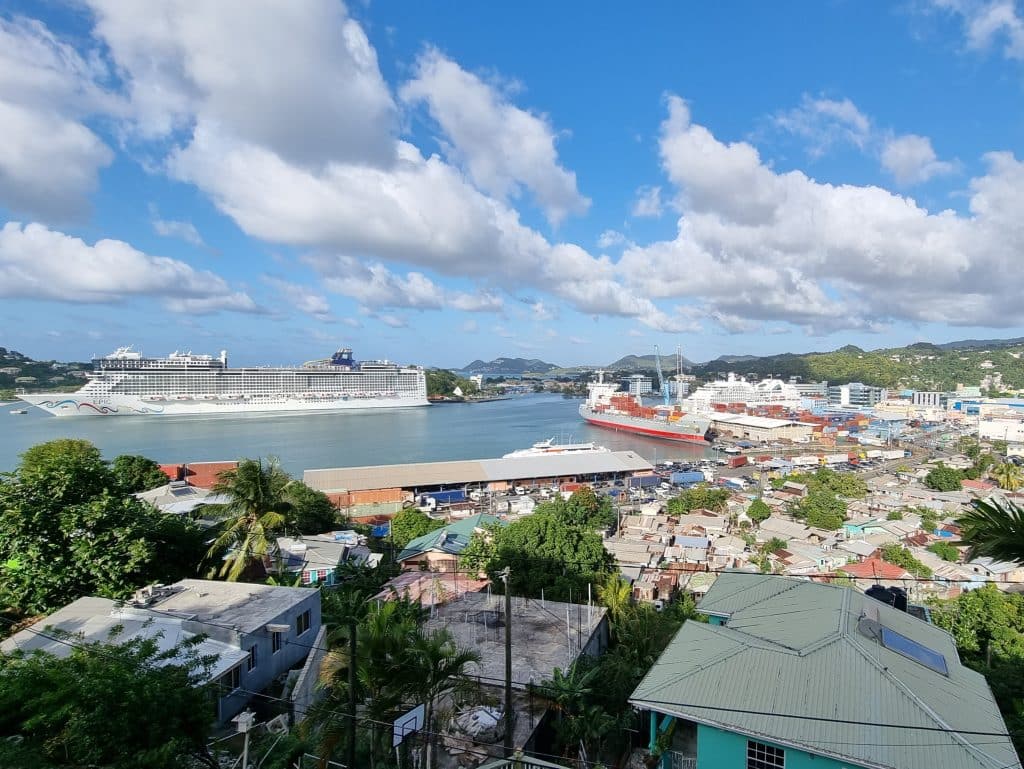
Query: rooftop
[[426, 474], [95, 619], [874, 568], [545, 634], [452, 538], [840, 674], [244, 606]]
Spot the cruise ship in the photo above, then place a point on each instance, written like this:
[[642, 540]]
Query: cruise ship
[[738, 390], [125, 383], [607, 407]]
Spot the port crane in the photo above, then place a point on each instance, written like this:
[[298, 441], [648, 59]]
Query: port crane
[[662, 384]]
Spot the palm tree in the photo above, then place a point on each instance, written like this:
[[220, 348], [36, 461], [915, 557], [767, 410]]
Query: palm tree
[[1008, 476], [438, 665], [994, 529], [255, 511], [616, 594]]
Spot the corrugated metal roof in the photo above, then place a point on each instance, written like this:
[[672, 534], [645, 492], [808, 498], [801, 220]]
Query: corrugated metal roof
[[422, 474], [451, 539], [797, 649]]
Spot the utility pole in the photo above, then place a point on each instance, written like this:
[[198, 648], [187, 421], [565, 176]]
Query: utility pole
[[505, 577], [244, 720], [352, 693]]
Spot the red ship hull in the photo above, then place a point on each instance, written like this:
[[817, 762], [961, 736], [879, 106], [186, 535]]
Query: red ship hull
[[648, 431]]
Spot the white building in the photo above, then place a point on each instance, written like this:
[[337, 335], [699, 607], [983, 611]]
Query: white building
[[640, 384]]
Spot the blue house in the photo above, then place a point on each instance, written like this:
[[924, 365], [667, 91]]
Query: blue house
[[790, 674], [253, 633]]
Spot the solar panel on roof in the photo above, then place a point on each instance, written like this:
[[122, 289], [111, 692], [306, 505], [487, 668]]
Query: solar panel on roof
[[913, 650], [184, 492]]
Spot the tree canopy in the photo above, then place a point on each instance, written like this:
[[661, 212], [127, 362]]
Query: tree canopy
[[67, 530], [98, 706], [759, 511], [135, 473], [994, 529], [896, 554], [942, 478], [410, 524], [821, 509], [699, 497], [312, 511]]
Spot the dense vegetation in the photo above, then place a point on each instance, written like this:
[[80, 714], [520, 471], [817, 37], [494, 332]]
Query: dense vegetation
[[116, 705], [557, 550], [69, 528], [824, 507], [920, 366], [988, 627], [409, 524], [49, 375], [441, 382], [699, 497]]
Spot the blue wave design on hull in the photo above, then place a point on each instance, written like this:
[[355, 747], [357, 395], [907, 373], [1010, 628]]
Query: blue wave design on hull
[[101, 409]]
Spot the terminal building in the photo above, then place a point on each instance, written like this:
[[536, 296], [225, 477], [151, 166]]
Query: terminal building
[[760, 429], [392, 486]]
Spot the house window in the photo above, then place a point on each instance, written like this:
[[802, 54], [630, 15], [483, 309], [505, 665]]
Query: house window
[[230, 680], [302, 623], [761, 756], [275, 642], [321, 575], [252, 659], [306, 579]]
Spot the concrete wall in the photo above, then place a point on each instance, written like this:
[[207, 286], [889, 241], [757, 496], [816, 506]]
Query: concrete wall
[[304, 693], [718, 749]]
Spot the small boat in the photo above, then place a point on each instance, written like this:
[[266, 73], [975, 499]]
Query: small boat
[[19, 411]]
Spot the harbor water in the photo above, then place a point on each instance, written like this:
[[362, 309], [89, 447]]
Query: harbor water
[[350, 439]]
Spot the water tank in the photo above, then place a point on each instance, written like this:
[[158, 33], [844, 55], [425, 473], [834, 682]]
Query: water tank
[[880, 593], [899, 598]]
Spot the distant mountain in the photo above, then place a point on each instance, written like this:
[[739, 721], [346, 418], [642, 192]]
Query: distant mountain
[[508, 367], [975, 344], [640, 362]]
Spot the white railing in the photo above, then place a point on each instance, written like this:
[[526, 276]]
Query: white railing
[[677, 760]]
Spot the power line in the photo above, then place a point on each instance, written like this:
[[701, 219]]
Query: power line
[[745, 711]]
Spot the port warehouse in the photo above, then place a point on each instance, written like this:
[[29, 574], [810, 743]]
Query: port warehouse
[[761, 429], [397, 484]]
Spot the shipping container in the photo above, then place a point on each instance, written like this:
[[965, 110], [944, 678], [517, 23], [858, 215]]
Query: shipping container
[[893, 454], [448, 496], [737, 461], [685, 477], [644, 481], [804, 461], [570, 487], [836, 459], [873, 454]]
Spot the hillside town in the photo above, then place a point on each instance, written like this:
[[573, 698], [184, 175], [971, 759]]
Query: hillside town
[[505, 589]]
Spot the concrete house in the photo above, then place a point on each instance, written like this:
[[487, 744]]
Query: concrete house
[[256, 632], [314, 559], [791, 674]]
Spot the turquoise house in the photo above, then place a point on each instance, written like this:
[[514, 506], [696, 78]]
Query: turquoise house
[[792, 674]]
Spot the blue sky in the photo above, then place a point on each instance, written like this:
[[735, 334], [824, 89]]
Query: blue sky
[[436, 182]]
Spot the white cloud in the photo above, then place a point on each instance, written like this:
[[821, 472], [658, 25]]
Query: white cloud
[[302, 80], [39, 263], [757, 245], [824, 122], [303, 298], [610, 238], [636, 333], [183, 230], [49, 159], [577, 340], [375, 286], [394, 321], [989, 24], [910, 159], [470, 327], [501, 146], [503, 332], [648, 202]]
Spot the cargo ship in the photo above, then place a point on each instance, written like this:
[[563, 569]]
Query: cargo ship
[[125, 383], [607, 407]]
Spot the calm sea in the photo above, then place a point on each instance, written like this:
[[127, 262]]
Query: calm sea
[[434, 433]]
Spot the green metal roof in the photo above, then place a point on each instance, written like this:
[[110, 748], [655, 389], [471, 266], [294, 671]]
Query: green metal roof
[[804, 649], [452, 538]]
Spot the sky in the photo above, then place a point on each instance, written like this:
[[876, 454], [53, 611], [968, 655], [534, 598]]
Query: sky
[[435, 182]]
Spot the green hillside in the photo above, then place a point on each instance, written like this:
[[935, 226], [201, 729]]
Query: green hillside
[[919, 366], [44, 375]]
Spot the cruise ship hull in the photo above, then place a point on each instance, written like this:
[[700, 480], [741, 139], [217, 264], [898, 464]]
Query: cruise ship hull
[[684, 431], [81, 404]]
